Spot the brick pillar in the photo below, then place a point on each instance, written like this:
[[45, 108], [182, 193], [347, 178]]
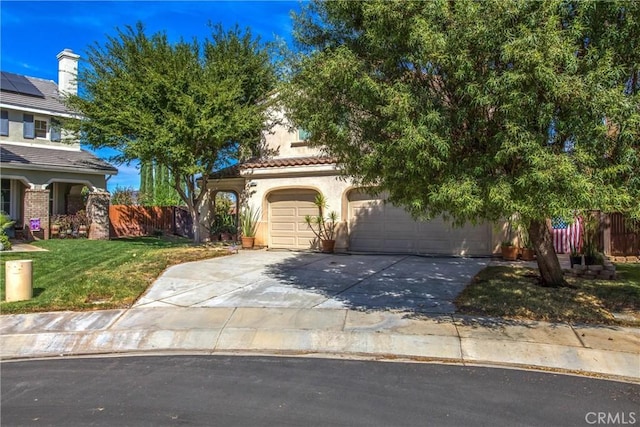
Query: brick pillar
[[36, 206], [98, 213]]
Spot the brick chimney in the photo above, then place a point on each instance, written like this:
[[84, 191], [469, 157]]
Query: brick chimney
[[67, 72]]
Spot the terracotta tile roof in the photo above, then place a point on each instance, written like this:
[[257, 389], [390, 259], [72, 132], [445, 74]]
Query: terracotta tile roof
[[234, 171], [50, 157], [291, 161]]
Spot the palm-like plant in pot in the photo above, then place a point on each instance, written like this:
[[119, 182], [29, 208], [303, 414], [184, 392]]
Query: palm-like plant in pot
[[249, 226], [324, 228], [590, 229], [509, 250]]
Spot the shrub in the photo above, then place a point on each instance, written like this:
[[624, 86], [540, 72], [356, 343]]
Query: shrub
[[5, 223]]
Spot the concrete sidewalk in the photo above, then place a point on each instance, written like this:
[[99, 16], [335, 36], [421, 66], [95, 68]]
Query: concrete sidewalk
[[287, 304]]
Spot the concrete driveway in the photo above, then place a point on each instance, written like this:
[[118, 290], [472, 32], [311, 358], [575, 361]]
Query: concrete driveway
[[312, 280]]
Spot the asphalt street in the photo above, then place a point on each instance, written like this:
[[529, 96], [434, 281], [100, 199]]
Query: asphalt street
[[270, 391]]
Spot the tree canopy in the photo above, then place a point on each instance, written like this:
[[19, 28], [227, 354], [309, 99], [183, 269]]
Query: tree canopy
[[477, 110], [190, 107]]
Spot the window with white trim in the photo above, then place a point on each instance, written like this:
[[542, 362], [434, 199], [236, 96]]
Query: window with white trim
[[41, 127]]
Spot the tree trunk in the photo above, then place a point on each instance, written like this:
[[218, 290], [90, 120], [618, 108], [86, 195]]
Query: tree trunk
[[195, 216], [550, 270]]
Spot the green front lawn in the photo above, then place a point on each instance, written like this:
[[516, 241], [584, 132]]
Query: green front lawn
[[80, 274], [513, 292]]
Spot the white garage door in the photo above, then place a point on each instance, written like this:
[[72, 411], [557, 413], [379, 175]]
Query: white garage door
[[375, 226], [287, 209]]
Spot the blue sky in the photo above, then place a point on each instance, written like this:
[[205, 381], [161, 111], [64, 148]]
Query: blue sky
[[32, 33]]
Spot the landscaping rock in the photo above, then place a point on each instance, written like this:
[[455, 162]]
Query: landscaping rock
[[596, 267], [579, 267], [606, 274]]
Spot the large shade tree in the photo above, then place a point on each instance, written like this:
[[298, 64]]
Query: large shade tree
[[479, 110], [190, 107]]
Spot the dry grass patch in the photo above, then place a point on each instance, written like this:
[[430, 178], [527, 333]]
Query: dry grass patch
[[514, 292]]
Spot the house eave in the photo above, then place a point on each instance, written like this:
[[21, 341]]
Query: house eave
[[293, 171], [32, 166], [67, 114]]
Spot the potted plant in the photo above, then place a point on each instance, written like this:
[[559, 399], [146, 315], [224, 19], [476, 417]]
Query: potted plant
[[590, 229], [81, 223], [323, 228], [227, 227], [249, 226], [575, 257], [66, 227], [55, 226], [590, 253], [509, 250], [527, 252]]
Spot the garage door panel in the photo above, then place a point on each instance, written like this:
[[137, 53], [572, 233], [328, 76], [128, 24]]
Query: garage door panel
[[303, 229], [279, 212], [287, 210], [372, 245], [283, 226], [311, 211], [375, 226], [399, 245]]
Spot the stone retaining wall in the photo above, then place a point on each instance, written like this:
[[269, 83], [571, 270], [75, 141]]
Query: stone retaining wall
[[624, 259], [606, 271]]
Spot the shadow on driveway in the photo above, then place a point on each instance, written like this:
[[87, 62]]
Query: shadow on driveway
[[408, 283]]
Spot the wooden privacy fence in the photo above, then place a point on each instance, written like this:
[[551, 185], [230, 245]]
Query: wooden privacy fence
[[131, 221], [625, 235]]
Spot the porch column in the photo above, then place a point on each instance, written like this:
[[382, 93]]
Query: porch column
[[36, 208], [98, 213]]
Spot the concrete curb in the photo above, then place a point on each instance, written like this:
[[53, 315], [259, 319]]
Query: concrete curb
[[605, 351]]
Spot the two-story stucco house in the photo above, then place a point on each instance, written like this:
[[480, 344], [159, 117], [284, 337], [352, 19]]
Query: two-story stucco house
[[284, 187], [43, 169]]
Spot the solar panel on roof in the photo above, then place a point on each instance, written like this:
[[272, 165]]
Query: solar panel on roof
[[19, 84]]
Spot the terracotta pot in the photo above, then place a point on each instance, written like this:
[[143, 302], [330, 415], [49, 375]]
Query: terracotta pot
[[528, 254], [510, 253], [327, 246], [55, 230], [248, 242]]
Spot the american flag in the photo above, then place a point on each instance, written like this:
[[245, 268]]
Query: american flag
[[566, 235]]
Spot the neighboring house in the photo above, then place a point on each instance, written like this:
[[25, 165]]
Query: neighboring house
[[43, 169], [285, 185]]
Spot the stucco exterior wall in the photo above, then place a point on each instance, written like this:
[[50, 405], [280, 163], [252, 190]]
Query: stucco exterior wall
[[284, 142], [16, 133], [331, 186]]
